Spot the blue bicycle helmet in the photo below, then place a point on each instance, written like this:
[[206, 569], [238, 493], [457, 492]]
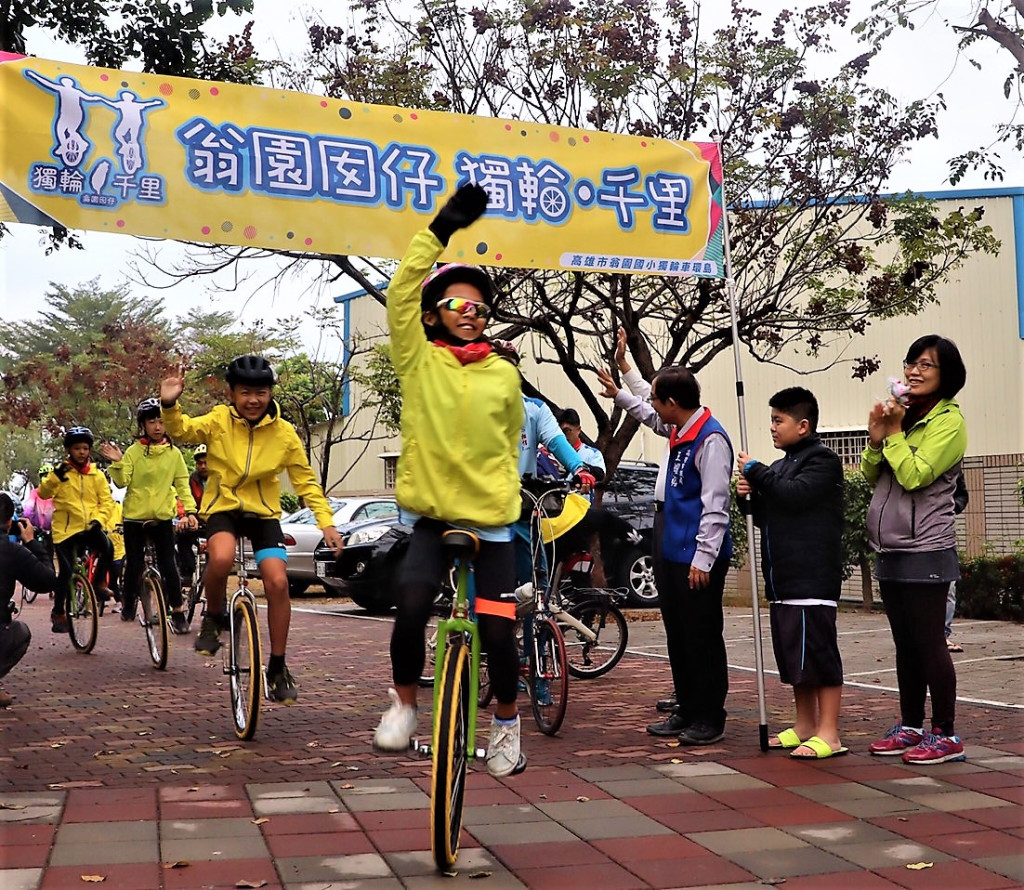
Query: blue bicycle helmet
[[78, 434]]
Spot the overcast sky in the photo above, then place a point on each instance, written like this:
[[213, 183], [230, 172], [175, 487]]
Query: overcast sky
[[914, 65]]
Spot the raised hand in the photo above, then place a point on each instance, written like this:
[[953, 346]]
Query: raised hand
[[611, 388], [111, 452], [463, 209], [620, 351], [172, 387]]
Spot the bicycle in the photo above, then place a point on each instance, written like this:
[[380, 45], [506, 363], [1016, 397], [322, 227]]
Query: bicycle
[[457, 676], [241, 656], [196, 584], [152, 608], [595, 630]]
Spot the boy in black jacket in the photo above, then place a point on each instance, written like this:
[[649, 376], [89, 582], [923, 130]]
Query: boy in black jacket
[[797, 503], [25, 562]]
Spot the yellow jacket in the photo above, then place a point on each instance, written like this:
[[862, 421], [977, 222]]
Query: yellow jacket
[[84, 497], [245, 461], [117, 537], [461, 424], [152, 474]]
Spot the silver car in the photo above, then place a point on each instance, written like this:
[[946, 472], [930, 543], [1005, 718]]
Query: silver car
[[301, 534]]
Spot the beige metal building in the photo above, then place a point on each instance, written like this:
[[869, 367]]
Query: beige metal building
[[982, 309]]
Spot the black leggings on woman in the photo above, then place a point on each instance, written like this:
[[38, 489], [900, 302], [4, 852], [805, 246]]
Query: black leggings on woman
[[917, 617], [161, 533], [422, 572]]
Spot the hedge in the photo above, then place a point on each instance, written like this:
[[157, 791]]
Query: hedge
[[992, 587]]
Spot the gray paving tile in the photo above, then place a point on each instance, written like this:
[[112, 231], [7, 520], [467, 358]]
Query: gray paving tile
[[833, 834], [278, 806], [866, 808], [373, 786], [643, 787], [836, 791], [701, 768], [913, 786], [421, 862], [30, 806], [102, 832], [746, 840], [734, 782], [192, 829], [890, 854], [1011, 867], [522, 833], [400, 800], [109, 853], [610, 827], [21, 878], [779, 864], [955, 801], [1000, 761], [615, 773], [346, 884], [498, 880], [566, 810], [288, 789], [502, 814], [345, 870], [213, 849], [759, 885]]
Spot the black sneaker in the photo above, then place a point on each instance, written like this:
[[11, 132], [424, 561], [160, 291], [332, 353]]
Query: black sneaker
[[59, 624], [701, 734], [281, 687], [208, 641], [667, 705], [671, 726], [129, 609], [179, 623]]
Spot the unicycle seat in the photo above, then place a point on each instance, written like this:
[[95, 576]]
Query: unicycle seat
[[457, 543]]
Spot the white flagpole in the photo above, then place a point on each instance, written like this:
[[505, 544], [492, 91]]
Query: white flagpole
[[730, 283]]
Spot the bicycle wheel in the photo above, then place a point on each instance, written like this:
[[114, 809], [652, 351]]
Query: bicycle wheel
[[245, 670], [153, 618], [484, 692], [593, 658], [83, 614], [549, 676], [448, 783], [196, 594]]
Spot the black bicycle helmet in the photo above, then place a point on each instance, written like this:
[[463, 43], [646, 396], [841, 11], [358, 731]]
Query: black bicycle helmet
[[253, 370], [78, 434], [437, 281], [147, 410]]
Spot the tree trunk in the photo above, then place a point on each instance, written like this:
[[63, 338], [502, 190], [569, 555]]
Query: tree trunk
[[865, 584]]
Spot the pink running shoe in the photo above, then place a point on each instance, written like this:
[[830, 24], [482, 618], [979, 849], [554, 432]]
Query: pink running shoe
[[936, 748], [896, 741]]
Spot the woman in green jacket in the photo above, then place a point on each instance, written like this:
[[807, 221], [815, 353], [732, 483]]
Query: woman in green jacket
[[153, 472], [914, 455]]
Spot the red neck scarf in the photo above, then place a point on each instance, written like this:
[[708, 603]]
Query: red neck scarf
[[677, 439], [471, 352]]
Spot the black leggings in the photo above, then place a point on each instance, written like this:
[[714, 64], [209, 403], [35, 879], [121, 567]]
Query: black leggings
[[917, 617], [422, 572], [98, 542], [161, 533]]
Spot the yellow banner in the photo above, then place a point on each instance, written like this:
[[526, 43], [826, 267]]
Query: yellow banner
[[194, 160]]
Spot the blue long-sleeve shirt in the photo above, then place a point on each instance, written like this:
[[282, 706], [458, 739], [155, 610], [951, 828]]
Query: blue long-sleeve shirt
[[541, 428]]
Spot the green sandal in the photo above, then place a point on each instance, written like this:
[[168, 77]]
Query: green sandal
[[787, 739]]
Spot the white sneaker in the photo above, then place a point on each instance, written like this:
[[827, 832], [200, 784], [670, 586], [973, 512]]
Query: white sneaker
[[394, 733], [503, 749]]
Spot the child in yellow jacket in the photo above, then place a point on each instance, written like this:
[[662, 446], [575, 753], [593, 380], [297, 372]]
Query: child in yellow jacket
[[82, 507], [153, 471]]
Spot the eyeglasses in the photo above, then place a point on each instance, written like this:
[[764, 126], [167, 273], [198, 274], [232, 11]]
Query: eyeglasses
[[921, 365], [462, 306]]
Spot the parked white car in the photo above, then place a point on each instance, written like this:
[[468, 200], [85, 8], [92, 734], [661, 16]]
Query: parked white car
[[301, 534]]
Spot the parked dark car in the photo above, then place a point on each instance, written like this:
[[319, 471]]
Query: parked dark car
[[367, 568]]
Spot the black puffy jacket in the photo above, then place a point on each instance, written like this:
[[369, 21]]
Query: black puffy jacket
[[798, 505]]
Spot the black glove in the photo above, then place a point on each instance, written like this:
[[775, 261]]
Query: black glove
[[463, 209], [61, 472]]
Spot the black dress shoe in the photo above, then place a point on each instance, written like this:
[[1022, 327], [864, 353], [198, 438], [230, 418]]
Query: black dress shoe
[[667, 705], [670, 726], [701, 734]]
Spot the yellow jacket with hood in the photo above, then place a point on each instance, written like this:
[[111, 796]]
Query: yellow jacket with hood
[[83, 497], [245, 460], [461, 424]]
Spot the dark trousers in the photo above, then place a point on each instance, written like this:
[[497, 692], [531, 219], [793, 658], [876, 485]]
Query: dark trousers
[[694, 638], [420, 578], [917, 618], [98, 542], [161, 533], [14, 639], [184, 542]]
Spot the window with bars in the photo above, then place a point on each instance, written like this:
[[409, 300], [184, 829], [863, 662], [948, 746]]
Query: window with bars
[[390, 470], [848, 444]]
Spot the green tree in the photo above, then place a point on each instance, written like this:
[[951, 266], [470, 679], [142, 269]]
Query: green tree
[[87, 359], [857, 552]]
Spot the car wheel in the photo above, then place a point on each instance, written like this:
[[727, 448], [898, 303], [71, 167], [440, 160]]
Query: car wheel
[[636, 574], [296, 588]]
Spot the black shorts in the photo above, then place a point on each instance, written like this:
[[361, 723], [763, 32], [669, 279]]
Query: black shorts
[[805, 644], [494, 568], [265, 535]]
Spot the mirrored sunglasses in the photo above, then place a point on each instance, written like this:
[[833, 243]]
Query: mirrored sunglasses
[[462, 305]]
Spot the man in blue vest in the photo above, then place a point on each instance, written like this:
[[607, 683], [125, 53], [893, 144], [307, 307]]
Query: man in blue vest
[[692, 545]]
